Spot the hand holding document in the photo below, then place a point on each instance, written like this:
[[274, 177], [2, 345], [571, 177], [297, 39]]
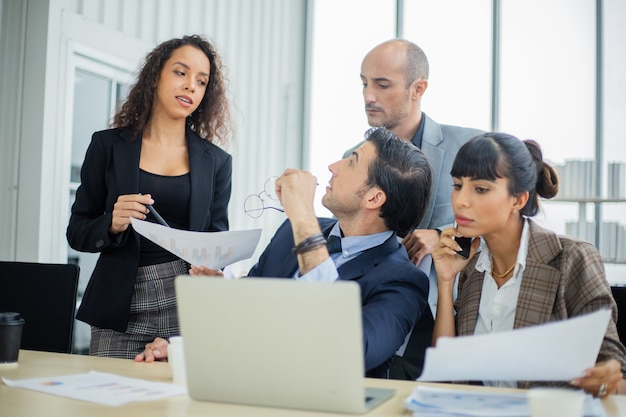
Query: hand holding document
[[214, 250], [555, 351]]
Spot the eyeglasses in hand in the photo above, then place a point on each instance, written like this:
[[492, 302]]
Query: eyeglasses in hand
[[255, 204]]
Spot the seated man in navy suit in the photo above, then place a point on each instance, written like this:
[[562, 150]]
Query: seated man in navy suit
[[373, 194]]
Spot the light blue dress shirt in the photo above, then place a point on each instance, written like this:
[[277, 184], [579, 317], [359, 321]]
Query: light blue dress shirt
[[351, 247]]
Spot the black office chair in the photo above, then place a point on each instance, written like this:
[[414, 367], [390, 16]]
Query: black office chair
[[619, 294], [45, 297]]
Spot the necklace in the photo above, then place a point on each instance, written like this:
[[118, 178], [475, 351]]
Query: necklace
[[504, 274]]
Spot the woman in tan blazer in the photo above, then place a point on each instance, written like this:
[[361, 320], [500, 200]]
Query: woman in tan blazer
[[523, 275]]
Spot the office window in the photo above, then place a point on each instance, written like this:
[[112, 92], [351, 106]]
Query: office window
[[614, 73], [456, 37], [92, 96], [545, 95], [614, 137], [343, 32], [549, 96], [546, 91]]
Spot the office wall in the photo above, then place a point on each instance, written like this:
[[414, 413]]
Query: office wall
[[12, 19], [263, 48]]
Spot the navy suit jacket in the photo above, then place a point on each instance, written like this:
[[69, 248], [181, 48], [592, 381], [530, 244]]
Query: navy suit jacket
[[393, 291], [110, 169]]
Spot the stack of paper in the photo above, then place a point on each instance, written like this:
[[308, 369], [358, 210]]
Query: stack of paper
[[446, 402]]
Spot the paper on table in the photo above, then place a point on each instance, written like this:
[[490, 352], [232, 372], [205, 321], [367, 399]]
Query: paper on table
[[214, 250], [450, 401], [555, 351], [100, 388], [427, 401]]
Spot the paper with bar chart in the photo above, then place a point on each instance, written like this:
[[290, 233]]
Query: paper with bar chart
[[214, 250]]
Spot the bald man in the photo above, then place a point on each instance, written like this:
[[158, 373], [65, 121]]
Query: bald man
[[395, 77]]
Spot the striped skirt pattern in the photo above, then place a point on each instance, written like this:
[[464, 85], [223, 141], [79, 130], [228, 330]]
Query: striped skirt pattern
[[152, 313]]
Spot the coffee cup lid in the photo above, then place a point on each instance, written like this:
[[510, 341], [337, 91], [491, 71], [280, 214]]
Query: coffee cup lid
[[11, 317]]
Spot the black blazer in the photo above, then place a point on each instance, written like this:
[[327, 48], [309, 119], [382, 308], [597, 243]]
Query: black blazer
[[110, 169]]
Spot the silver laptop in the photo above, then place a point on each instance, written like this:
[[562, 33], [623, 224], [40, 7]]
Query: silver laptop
[[275, 342]]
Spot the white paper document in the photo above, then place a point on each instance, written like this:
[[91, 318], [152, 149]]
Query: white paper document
[[214, 250], [555, 351], [427, 401], [100, 388]]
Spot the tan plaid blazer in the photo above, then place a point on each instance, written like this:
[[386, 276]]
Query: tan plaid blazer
[[563, 278]]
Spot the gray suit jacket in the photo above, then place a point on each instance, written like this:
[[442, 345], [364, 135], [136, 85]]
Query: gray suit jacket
[[440, 143], [563, 278]]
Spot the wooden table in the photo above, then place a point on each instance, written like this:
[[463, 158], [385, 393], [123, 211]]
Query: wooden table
[[17, 402]]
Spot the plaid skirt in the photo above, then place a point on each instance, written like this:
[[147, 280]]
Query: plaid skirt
[[152, 313]]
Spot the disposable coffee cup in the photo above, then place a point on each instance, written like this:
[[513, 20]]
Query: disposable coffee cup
[[176, 358], [11, 325], [556, 402]]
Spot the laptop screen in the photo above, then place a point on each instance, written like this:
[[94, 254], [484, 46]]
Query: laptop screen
[[273, 341]]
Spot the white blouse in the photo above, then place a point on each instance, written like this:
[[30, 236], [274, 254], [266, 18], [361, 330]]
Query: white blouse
[[496, 312]]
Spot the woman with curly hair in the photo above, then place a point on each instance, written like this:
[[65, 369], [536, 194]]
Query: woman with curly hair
[[161, 151]]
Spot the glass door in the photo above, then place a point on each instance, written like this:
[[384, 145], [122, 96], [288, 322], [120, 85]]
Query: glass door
[[98, 90]]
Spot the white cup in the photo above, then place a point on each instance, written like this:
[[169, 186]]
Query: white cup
[[176, 359], [556, 402]]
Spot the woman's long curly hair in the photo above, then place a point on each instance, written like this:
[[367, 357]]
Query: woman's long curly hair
[[211, 120]]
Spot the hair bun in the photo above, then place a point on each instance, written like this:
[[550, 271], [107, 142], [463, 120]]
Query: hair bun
[[547, 179]]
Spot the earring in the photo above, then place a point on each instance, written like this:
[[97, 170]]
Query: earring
[[514, 211]]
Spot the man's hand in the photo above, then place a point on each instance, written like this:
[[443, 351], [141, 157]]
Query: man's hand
[[296, 190], [203, 270], [420, 243], [154, 351]]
